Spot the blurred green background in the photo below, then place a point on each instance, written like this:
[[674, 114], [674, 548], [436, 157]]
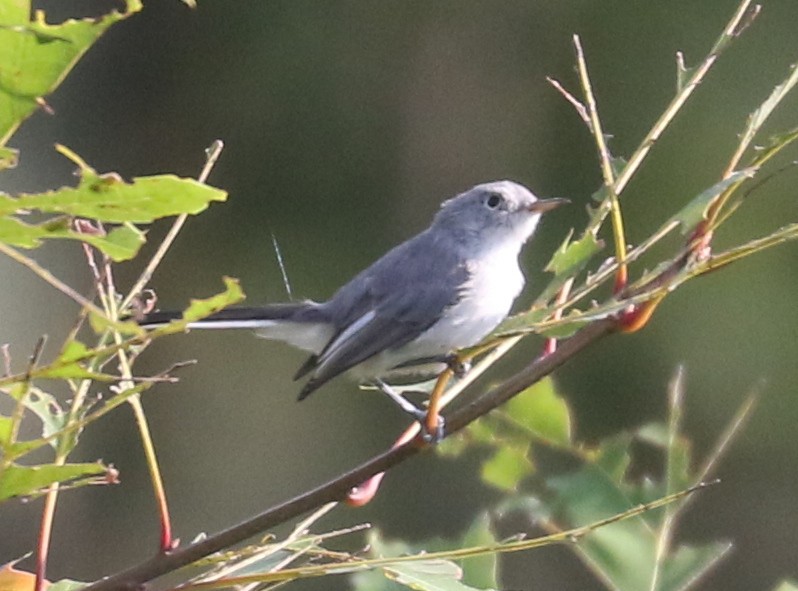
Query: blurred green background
[[345, 124]]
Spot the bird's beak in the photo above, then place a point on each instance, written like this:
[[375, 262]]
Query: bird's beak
[[544, 205]]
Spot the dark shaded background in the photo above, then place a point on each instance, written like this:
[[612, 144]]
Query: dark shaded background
[[345, 124]]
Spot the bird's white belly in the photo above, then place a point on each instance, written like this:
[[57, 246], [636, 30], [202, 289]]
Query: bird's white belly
[[485, 302]]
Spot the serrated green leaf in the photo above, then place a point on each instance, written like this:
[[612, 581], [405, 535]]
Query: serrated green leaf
[[507, 467], [695, 212], [541, 410], [480, 572], [572, 256], [69, 365], [520, 322], [37, 56], [570, 323], [199, 309], [108, 198], [568, 261], [21, 481]]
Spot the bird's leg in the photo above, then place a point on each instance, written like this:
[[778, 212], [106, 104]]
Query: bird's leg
[[432, 425], [431, 436]]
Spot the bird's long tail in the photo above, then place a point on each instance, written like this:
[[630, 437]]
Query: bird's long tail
[[239, 317], [302, 324]]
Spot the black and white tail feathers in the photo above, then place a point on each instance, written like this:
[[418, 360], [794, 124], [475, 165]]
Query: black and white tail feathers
[[252, 318]]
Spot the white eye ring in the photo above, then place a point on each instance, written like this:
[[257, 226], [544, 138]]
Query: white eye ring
[[493, 200]]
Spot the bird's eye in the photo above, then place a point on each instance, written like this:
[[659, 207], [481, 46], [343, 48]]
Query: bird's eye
[[493, 201]]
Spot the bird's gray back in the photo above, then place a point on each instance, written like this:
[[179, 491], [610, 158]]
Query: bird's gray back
[[390, 303]]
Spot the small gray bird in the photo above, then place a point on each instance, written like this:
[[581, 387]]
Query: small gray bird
[[442, 290]]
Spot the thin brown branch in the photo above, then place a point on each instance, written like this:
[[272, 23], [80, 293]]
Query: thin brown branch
[[337, 489]]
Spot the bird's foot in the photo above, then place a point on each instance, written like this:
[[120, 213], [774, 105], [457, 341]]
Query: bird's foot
[[458, 366]]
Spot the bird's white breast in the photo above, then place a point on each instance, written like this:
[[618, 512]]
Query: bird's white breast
[[495, 281]]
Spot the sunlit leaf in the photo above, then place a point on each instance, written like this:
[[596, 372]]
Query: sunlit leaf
[[541, 410], [507, 467], [199, 309], [6, 431], [787, 586], [109, 198], [20, 481], [106, 198], [568, 260], [37, 56]]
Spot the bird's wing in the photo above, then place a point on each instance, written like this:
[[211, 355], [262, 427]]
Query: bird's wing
[[388, 305]]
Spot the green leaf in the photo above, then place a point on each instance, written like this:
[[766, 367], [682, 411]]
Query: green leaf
[[6, 429], [105, 198], [571, 256], [37, 56], [589, 495], [613, 456], [22, 481], [688, 564], [761, 114], [787, 586], [520, 322], [541, 410], [46, 407], [695, 212], [8, 158], [67, 585], [199, 309], [480, 572], [507, 467], [422, 575], [108, 198], [427, 575]]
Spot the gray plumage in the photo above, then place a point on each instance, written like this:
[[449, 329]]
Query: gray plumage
[[442, 290]]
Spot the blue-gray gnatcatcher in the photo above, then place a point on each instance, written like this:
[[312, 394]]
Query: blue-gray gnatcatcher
[[442, 290]]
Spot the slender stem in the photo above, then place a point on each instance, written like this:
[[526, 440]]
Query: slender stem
[[49, 278], [607, 172], [212, 155], [731, 30]]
